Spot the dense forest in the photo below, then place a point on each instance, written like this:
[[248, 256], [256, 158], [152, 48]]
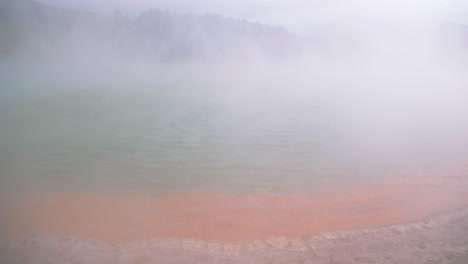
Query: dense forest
[[34, 30]]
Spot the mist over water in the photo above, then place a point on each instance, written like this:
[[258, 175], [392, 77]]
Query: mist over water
[[353, 102], [290, 126], [139, 129]]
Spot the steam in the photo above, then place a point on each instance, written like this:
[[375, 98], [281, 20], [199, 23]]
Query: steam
[[362, 81]]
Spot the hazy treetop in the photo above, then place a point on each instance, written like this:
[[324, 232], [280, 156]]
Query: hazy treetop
[[296, 15]]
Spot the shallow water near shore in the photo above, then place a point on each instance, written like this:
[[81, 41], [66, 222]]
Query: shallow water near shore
[[440, 238], [137, 216]]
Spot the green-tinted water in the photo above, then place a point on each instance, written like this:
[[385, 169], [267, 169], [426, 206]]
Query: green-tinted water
[[163, 135]]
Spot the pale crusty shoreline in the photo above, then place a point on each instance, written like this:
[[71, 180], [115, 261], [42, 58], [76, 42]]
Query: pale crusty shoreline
[[440, 238]]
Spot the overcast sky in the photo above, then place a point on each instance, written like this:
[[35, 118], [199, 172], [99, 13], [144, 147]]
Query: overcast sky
[[296, 15]]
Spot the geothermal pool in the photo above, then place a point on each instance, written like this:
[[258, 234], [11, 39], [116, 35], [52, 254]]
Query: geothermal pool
[[237, 161]]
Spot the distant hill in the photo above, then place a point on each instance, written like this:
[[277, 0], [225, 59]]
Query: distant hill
[[36, 31], [30, 29]]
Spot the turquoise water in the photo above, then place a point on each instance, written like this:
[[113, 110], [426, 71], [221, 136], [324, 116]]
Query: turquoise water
[[168, 134]]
